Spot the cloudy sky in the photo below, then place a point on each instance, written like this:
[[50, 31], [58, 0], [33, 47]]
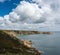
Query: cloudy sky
[[43, 15]]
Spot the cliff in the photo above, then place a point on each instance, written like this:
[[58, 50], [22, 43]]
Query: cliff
[[10, 44], [16, 32]]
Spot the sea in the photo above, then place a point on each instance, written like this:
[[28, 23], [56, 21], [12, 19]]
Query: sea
[[48, 44]]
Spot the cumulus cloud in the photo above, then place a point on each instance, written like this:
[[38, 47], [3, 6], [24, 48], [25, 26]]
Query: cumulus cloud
[[38, 13], [27, 12], [30, 12]]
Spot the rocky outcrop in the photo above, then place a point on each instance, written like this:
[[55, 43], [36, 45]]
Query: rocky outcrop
[[16, 32], [9, 43]]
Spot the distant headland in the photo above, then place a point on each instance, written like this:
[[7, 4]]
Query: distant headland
[[25, 32]]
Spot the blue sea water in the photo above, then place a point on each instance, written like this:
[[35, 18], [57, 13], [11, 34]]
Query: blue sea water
[[49, 44]]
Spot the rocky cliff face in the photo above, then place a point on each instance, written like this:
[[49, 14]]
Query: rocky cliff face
[[16, 32], [9, 43]]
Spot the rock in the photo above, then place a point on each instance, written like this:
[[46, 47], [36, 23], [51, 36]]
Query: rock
[[9, 43]]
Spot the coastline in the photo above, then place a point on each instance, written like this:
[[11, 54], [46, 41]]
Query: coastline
[[10, 44]]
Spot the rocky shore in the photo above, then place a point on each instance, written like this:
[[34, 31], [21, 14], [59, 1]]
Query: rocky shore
[[21, 32], [10, 44]]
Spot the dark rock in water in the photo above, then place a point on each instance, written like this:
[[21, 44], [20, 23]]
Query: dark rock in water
[[10, 44]]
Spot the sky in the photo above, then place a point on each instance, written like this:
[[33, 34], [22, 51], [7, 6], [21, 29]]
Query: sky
[[41, 15]]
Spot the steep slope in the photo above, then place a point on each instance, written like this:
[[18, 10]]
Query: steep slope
[[9, 43]]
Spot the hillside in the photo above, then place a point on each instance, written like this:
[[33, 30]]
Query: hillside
[[20, 32], [10, 44]]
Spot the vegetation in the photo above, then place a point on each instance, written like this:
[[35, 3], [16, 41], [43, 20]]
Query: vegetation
[[16, 32], [10, 45]]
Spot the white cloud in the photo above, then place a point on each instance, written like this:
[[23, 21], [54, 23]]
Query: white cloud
[[42, 13], [1, 20], [27, 12], [30, 12], [14, 17], [37, 1]]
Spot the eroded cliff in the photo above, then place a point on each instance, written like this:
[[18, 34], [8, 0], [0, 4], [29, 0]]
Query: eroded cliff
[[10, 44]]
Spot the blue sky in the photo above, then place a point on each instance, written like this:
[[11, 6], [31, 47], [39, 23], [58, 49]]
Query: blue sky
[[41, 15], [7, 6]]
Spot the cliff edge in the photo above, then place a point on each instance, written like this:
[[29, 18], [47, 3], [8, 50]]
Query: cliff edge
[[9, 43]]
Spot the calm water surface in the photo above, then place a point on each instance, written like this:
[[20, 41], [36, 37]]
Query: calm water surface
[[49, 44]]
